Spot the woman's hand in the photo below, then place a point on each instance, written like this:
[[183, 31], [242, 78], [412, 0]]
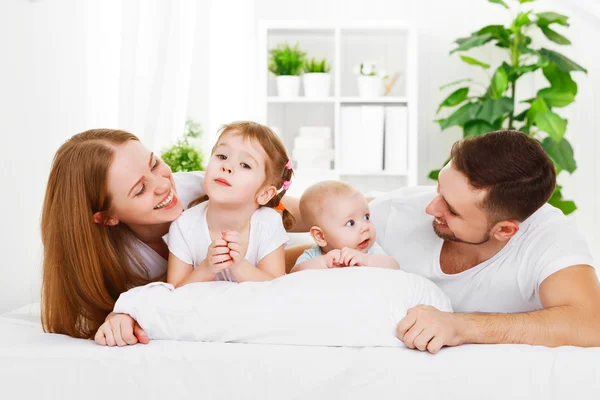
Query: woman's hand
[[120, 330], [218, 257]]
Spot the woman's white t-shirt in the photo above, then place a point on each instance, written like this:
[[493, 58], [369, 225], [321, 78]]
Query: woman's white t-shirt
[[189, 186], [189, 237]]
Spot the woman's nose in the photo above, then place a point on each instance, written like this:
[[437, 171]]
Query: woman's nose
[[163, 185]]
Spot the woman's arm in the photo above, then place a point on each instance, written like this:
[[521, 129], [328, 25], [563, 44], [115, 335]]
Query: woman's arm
[[293, 206]]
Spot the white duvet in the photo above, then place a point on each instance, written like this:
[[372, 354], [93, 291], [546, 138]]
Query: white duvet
[[355, 307]]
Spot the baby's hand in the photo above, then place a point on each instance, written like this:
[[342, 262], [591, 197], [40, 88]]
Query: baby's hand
[[218, 256], [332, 259], [351, 257], [236, 250]]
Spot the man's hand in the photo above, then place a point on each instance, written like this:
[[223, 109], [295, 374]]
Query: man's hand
[[352, 257], [429, 329], [332, 259], [120, 330]]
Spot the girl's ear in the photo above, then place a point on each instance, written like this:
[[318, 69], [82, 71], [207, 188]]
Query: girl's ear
[[318, 235], [101, 218], [266, 195]]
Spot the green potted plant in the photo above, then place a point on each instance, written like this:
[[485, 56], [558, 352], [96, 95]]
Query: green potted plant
[[370, 79], [185, 155], [286, 63], [316, 78], [494, 105]]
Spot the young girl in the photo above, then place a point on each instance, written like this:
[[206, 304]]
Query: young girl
[[236, 235]]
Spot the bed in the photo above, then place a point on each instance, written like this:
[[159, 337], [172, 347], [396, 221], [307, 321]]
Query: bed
[[35, 365]]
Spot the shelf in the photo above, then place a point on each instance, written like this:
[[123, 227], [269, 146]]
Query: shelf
[[373, 173], [300, 99], [374, 100]]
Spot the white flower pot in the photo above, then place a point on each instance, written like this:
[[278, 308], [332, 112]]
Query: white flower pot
[[370, 86], [288, 85], [316, 84]]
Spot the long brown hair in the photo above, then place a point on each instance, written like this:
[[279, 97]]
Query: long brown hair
[[276, 170], [86, 265], [514, 168]]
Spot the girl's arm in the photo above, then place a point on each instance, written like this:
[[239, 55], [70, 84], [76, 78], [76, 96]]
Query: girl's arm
[[270, 267], [180, 273]]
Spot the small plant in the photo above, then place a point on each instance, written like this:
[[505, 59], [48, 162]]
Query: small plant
[[183, 155], [368, 68], [314, 66], [286, 60]]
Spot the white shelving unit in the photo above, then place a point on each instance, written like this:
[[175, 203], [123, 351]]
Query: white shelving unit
[[391, 44]]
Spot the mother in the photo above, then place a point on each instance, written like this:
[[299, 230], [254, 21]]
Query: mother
[[108, 203]]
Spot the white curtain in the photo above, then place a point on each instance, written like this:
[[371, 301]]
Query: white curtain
[[138, 63]]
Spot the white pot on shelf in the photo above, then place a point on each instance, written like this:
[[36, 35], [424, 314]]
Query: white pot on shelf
[[288, 85], [370, 86], [317, 84]]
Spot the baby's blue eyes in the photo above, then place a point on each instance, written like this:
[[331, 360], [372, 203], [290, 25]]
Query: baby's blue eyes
[[350, 223], [367, 217]]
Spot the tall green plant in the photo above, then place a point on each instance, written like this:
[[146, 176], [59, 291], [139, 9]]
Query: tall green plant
[[485, 108], [286, 60]]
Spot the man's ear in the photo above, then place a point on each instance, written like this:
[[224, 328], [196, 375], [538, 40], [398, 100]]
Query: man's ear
[[318, 235], [266, 195], [101, 218], [504, 230]]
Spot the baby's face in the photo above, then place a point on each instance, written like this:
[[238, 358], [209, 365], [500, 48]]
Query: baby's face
[[346, 222]]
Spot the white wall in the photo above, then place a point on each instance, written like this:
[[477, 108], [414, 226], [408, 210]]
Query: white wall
[[42, 103]]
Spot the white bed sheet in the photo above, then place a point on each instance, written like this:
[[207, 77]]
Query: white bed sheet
[[35, 365]]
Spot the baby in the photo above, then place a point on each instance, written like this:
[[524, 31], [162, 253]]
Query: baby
[[342, 228]]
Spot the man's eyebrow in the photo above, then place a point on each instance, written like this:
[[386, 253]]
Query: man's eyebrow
[[142, 178], [452, 209]]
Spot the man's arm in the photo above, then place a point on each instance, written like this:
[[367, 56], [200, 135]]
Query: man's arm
[[571, 316]]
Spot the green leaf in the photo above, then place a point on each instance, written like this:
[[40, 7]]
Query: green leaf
[[499, 83], [556, 97], [521, 116], [566, 206], [526, 1], [538, 106], [503, 4], [498, 32], [562, 62], [477, 127], [434, 174], [473, 61], [455, 83], [455, 98], [547, 18], [492, 110], [561, 153], [559, 79], [552, 124], [522, 19], [555, 36], [525, 69], [461, 116], [471, 42]]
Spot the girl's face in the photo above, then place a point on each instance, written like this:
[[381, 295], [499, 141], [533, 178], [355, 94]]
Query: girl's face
[[142, 188], [235, 173]]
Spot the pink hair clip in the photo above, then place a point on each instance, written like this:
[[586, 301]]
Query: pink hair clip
[[286, 185], [289, 165]]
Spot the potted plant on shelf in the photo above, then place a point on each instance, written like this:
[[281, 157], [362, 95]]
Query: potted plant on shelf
[[370, 79], [317, 80], [286, 63]]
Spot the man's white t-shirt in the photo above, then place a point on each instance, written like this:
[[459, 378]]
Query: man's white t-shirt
[[189, 186], [189, 237], [508, 282]]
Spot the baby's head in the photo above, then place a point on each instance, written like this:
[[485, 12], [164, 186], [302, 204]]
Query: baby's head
[[338, 215], [249, 165]]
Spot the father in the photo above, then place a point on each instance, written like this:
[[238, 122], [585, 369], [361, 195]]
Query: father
[[515, 268]]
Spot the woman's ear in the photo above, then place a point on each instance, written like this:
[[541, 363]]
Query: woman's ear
[[101, 218], [318, 235], [266, 195]]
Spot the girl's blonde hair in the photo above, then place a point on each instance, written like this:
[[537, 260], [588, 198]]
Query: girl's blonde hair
[[276, 170], [86, 265]]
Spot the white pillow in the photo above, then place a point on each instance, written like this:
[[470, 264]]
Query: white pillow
[[356, 307]]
